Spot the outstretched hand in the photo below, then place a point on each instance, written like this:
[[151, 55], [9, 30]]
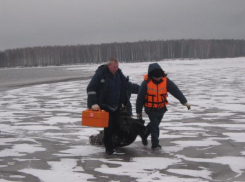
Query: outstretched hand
[[188, 106]]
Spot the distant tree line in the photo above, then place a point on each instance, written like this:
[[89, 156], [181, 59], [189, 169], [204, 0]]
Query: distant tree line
[[124, 52]]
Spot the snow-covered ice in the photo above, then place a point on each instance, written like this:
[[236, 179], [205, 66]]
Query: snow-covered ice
[[42, 138]]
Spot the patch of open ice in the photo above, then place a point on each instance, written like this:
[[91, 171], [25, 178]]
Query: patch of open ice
[[237, 164], [239, 120], [9, 141]]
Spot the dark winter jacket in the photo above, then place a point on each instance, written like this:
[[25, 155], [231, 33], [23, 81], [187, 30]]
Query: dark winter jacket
[[131, 88], [171, 88], [109, 91]]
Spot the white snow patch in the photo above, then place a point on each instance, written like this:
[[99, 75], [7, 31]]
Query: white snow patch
[[184, 128], [4, 180], [21, 150], [193, 173], [65, 170], [138, 167], [36, 128], [16, 176], [157, 177], [237, 137], [56, 120], [196, 143], [3, 166], [86, 150]]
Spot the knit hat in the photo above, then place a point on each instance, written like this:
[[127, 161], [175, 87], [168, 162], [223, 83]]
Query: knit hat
[[156, 73]]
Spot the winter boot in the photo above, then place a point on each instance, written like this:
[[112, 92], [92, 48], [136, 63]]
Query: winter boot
[[110, 151], [144, 137], [156, 147]]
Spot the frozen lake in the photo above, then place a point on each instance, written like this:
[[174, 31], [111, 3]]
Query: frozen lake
[[42, 138], [12, 78]]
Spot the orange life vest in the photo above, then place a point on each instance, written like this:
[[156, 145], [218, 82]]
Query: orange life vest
[[156, 96]]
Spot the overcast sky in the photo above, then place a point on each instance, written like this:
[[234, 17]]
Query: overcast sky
[[25, 23]]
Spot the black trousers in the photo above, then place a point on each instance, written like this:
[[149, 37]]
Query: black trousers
[[114, 119]]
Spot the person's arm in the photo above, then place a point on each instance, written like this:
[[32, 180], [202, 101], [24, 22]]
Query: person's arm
[[141, 97], [134, 88], [92, 91], [175, 91]]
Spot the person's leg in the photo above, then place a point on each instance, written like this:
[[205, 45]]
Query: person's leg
[[159, 117], [108, 134], [147, 132], [145, 136], [114, 118], [155, 117], [154, 129]]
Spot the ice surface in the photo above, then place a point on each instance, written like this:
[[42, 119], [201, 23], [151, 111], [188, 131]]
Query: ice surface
[[138, 167], [64, 170], [195, 173], [21, 150], [237, 164], [42, 124]]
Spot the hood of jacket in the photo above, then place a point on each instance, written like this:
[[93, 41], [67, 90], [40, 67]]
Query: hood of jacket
[[154, 66], [101, 68]]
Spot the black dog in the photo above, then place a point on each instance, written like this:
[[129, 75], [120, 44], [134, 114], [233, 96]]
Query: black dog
[[126, 134]]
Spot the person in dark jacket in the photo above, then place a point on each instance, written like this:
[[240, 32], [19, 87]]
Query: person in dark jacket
[[108, 90], [153, 96]]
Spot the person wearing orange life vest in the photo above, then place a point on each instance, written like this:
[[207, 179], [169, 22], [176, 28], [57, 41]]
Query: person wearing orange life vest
[[153, 96]]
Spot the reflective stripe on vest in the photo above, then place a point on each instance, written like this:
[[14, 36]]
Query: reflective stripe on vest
[[156, 96]]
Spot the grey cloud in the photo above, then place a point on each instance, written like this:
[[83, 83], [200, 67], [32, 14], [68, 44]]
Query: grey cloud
[[61, 22]]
